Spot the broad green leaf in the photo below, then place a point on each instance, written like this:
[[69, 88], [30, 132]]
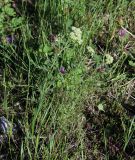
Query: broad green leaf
[[100, 107], [16, 21], [45, 48], [8, 10], [131, 63]]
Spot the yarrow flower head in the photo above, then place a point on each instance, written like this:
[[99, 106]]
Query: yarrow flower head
[[76, 35], [90, 50], [109, 59]]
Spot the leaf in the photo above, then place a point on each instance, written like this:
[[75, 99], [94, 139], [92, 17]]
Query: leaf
[[69, 23], [100, 107], [131, 63], [97, 58], [69, 55], [16, 21], [45, 48], [8, 10]]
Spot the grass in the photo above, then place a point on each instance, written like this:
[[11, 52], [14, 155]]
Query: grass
[[85, 111]]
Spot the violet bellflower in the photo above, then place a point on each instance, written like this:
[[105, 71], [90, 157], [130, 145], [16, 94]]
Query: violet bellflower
[[62, 70], [122, 32], [9, 39]]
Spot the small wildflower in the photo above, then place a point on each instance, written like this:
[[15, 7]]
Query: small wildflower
[[109, 59], [9, 39], [122, 32], [17, 104], [53, 38], [76, 30], [90, 50], [14, 5], [62, 70], [76, 35]]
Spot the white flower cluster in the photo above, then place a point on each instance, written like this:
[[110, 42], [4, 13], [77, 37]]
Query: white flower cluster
[[90, 50], [76, 35], [109, 59]]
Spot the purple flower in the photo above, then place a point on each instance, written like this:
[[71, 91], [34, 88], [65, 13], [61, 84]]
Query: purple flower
[[14, 5], [62, 70], [10, 39], [52, 37], [122, 32]]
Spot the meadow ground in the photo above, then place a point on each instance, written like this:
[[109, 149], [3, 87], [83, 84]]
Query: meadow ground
[[67, 79]]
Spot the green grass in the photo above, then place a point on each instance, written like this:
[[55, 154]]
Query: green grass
[[87, 112]]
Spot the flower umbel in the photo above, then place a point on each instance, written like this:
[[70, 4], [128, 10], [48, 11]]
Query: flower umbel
[[109, 59], [76, 35], [90, 50]]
